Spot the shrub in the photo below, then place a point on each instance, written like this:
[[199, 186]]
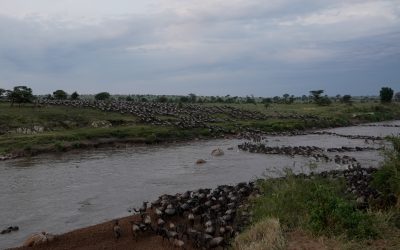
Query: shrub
[[314, 204], [387, 179], [332, 215]]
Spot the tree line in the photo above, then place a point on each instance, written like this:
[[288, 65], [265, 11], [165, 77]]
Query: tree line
[[23, 94]]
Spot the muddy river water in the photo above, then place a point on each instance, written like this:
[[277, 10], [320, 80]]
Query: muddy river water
[[59, 193]]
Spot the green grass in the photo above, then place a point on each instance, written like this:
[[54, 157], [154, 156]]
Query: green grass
[[322, 208], [66, 126], [55, 117]]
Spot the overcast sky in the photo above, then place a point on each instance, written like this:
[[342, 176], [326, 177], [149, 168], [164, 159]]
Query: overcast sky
[[206, 47]]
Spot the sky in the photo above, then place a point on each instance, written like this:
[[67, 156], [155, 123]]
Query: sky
[[206, 47]]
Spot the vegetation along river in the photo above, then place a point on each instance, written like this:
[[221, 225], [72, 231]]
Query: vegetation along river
[[59, 193]]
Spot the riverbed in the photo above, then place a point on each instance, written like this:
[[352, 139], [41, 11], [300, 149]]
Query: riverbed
[[60, 192]]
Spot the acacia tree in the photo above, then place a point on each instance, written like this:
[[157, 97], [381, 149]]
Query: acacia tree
[[347, 99], [316, 95], [20, 94], [102, 96], [75, 96], [386, 94], [60, 94]]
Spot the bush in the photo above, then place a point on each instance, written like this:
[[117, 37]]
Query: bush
[[387, 179], [332, 215], [316, 204], [386, 94]]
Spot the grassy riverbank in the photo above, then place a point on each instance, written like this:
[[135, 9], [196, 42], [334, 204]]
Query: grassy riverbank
[[317, 213], [30, 130]]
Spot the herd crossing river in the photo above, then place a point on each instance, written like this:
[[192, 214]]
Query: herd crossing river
[[61, 192]]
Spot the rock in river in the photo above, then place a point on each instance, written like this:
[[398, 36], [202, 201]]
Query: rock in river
[[217, 152]]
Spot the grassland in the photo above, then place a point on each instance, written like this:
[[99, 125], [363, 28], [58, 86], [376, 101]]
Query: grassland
[[318, 213], [66, 127]]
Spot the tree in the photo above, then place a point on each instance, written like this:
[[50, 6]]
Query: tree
[[324, 101], [184, 99], [162, 99], [60, 94], [316, 95], [397, 97], [386, 94], [338, 97], [75, 96], [347, 99], [285, 97], [20, 94], [250, 99], [276, 99], [48, 97], [192, 98], [266, 100], [291, 99], [2, 92], [102, 96]]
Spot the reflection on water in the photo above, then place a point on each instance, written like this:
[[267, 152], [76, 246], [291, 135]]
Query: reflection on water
[[57, 193]]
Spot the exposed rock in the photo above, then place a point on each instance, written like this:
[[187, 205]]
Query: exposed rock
[[217, 152], [200, 161]]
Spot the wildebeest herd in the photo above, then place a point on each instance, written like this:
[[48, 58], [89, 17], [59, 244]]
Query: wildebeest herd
[[181, 116], [204, 218], [312, 152]]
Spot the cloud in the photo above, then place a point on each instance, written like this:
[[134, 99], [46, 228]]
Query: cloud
[[187, 46]]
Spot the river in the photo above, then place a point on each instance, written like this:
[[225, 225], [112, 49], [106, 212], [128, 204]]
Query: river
[[57, 193]]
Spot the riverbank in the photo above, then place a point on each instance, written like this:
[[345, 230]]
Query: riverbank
[[28, 131], [314, 212], [358, 208]]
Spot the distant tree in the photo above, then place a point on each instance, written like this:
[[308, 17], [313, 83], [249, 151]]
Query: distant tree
[[219, 99], [129, 98], [102, 96], [143, 99], [48, 97], [250, 99], [304, 98], [60, 94], [184, 99], [2, 92], [291, 99], [316, 95], [285, 97], [20, 94], [276, 99], [386, 95], [75, 96], [324, 101], [397, 97], [347, 99], [162, 99], [192, 98], [338, 98], [266, 100]]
